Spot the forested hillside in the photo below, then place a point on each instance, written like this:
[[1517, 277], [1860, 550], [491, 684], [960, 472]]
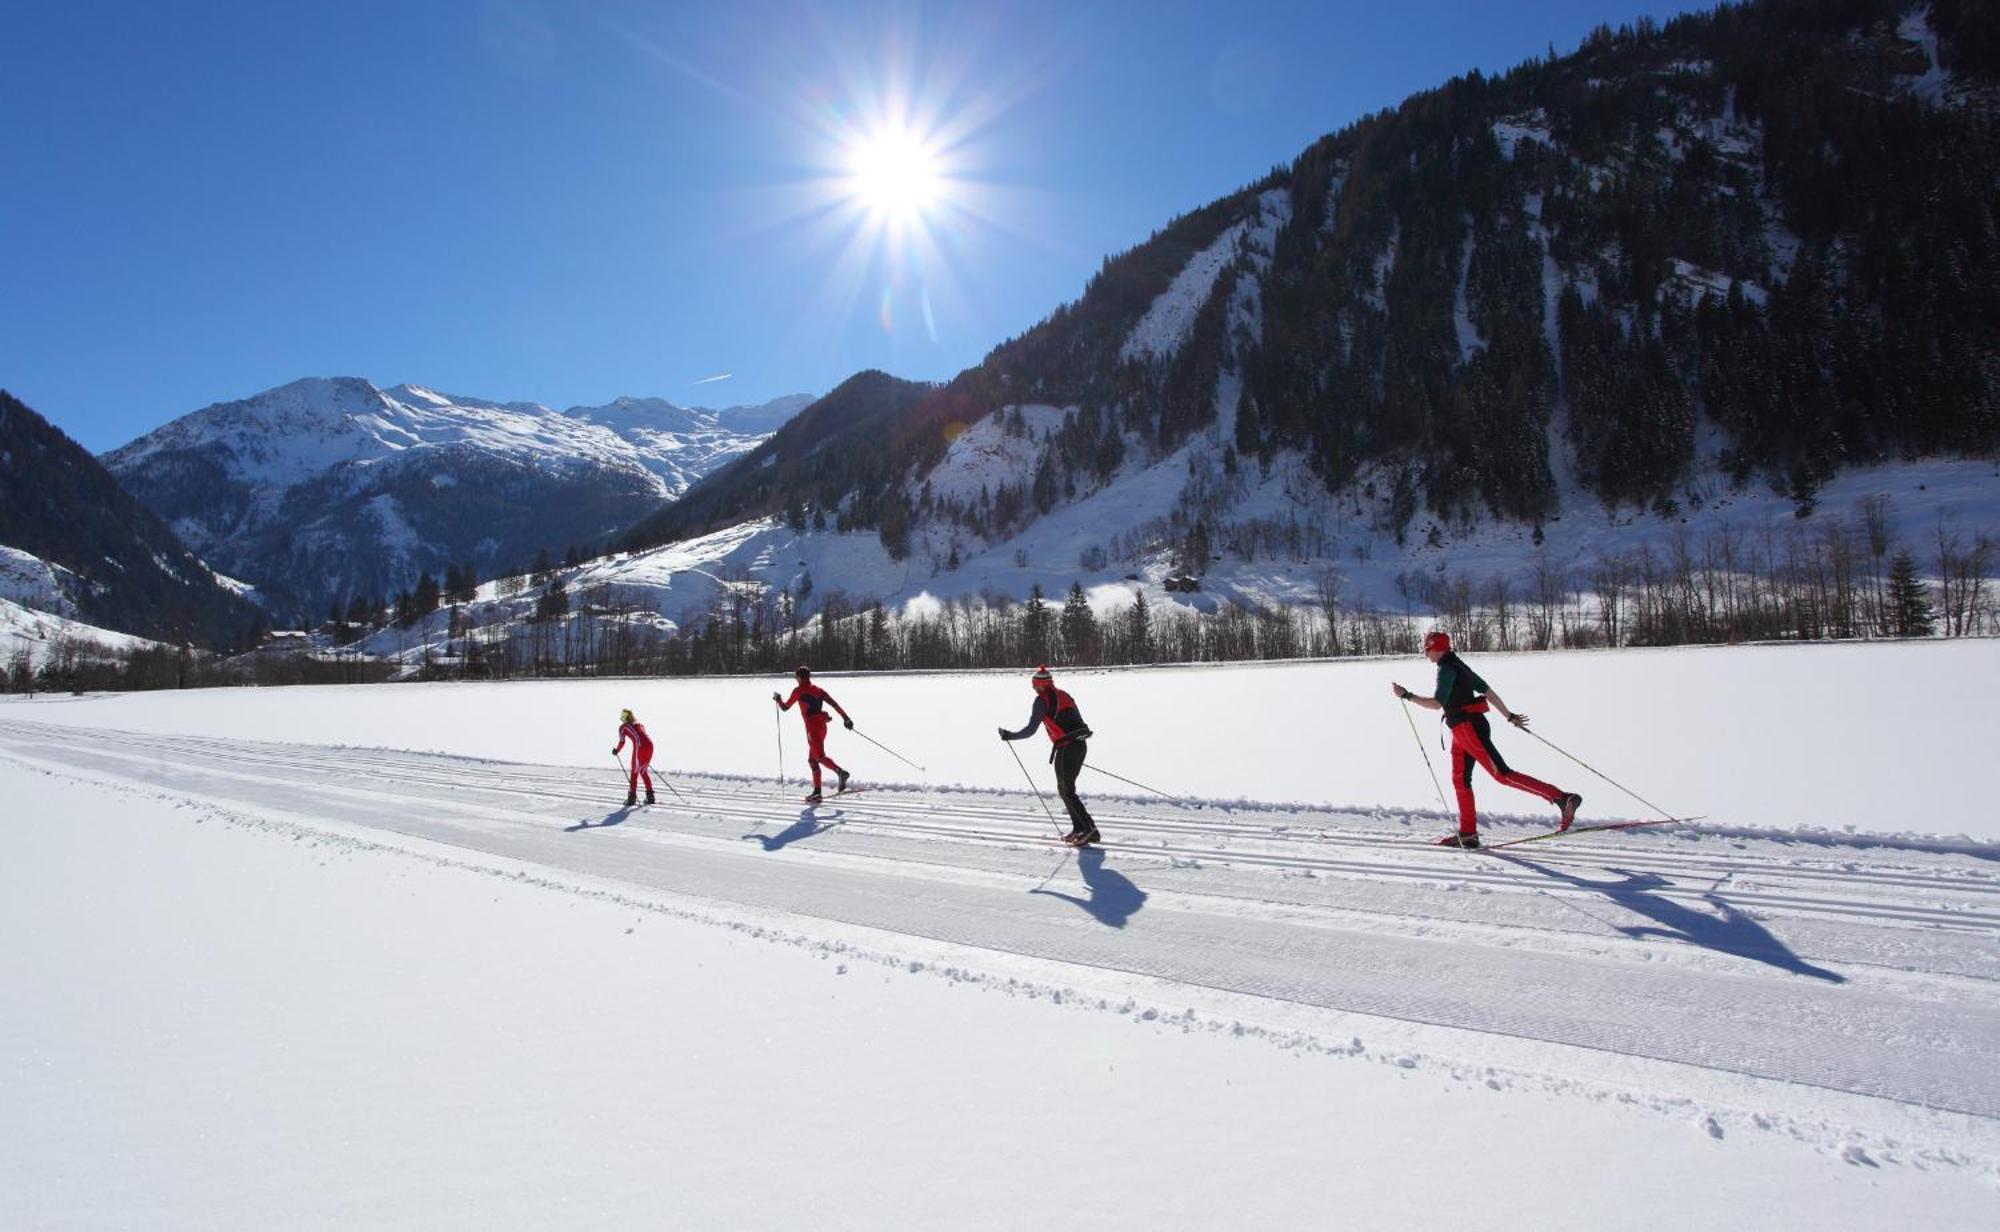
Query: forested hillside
[[127, 571], [1769, 229]]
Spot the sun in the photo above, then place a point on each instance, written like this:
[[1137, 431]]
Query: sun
[[894, 173]]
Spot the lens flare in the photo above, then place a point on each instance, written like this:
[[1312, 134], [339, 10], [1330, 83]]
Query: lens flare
[[894, 173]]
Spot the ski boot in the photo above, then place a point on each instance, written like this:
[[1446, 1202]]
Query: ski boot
[[842, 784], [1081, 837], [815, 797], [1468, 841], [632, 799], [649, 795], [1569, 804]]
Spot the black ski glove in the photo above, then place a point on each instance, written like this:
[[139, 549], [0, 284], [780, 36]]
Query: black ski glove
[[1003, 733], [848, 721]]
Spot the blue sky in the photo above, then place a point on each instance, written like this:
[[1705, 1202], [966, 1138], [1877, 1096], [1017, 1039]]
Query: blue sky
[[565, 202]]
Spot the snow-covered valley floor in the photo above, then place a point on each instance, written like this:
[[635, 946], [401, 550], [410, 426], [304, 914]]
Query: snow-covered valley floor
[[257, 983]]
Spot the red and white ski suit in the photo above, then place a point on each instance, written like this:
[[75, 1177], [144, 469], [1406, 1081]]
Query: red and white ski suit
[[642, 756]]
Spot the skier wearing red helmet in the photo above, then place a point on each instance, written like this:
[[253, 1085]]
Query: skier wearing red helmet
[[1056, 713], [1464, 698], [812, 702]]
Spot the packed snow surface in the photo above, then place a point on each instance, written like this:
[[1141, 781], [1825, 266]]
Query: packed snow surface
[[341, 956]]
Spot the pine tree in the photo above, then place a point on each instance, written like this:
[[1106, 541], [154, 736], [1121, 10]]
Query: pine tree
[[1079, 627], [426, 597], [1910, 610], [1036, 620], [1139, 629], [554, 603]]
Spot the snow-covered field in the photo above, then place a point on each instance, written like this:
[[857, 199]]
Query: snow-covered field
[[1880, 737], [391, 955]]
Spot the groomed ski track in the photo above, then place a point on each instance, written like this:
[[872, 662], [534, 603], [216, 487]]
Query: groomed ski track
[[1867, 969]]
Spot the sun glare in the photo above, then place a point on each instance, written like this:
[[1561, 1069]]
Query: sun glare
[[894, 173]]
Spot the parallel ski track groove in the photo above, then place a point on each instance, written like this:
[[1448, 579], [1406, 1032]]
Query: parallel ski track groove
[[556, 783], [884, 798], [1421, 978]]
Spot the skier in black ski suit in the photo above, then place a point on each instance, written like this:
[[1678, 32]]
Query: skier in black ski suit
[[1056, 712]]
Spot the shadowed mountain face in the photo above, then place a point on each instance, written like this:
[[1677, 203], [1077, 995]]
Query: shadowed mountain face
[[1745, 243], [327, 490], [115, 564]]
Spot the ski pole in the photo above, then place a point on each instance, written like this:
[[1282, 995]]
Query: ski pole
[[1033, 788], [1427, 757], [1121, 778], [886, 749], [1600, 774], [633, 780], [779, 715], [662, 779]]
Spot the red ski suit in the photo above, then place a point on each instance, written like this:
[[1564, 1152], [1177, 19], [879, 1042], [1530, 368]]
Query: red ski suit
[[812, 702], [642, 755], [1461, 694]]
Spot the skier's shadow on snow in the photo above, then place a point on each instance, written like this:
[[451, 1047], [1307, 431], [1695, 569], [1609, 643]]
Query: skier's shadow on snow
[[806, 826], [611, 818], [1730, 932], [1113, 898]]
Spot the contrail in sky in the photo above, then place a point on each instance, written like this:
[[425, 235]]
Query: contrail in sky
[[710, 380]]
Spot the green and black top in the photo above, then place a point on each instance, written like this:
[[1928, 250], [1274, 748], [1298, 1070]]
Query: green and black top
[[1459, 690]]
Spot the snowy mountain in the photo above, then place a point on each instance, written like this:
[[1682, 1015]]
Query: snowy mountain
[[1687, 274], [331, 489], [77, 548]]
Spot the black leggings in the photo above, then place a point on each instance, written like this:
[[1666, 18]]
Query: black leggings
[[1069, 762]]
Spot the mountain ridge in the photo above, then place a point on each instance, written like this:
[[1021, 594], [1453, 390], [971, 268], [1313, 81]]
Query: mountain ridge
[[328, 489]]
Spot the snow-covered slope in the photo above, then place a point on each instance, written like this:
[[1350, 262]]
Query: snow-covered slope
[[75, 544], [745, 1012], [38, 614], [30, 581], [36, 635], [1276, 535], [332, 488]]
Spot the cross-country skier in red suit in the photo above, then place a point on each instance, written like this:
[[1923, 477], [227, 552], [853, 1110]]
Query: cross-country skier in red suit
[[629, 728], [812, 702], [1465, 698], [1056, 713]]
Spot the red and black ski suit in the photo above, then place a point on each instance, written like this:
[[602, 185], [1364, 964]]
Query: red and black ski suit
[[812, 702], [642, 756], [1056, 713], [1462, 694]]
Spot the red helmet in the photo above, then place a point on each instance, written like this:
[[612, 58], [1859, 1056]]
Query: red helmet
[[1437, 639]]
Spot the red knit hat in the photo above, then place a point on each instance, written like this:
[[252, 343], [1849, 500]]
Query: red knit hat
[[1042, 675], [1437, 639]]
